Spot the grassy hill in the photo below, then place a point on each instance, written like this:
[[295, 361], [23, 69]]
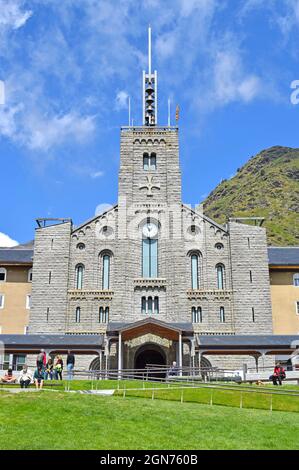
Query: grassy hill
[[266, 186]]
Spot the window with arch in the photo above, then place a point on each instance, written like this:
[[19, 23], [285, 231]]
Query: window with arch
[[296, 279], [220, 276], [106, 268], [149, 161], [103, 314], [196, 315], [79, 276], [150, 250], [150, 305], [194, 271], [30, 275], [222, 315], [3, 274], [78, 315]]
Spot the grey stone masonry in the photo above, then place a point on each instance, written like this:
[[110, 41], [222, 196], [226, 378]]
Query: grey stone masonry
[[50, 279], [250, 279]]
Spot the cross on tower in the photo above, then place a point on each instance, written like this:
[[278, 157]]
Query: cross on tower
[[149, 186]]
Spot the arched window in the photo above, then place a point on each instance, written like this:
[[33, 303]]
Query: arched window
[[220, 276], [156, 305], [150, 306], [296, 279], [150, 250], [194, 271], [143, 305], [30, 275], [78, 315], [145, 161], [196, 315], [79, 276], [149, 161], [3, 273], [106, 272], [103, 315], [222, 315]]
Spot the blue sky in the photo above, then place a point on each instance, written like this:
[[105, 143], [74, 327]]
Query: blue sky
[[68, 67]]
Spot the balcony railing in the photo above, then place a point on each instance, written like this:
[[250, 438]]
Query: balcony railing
[[215, 294], [76, 294]]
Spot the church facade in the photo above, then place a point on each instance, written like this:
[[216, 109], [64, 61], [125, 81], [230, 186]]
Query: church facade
[[150, 274]]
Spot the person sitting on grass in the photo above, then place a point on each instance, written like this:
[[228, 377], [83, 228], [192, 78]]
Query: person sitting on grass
[[39, 378], [8, 378], [25, 377]]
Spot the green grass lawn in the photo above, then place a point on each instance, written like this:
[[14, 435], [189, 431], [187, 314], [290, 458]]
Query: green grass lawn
[[58, 420]]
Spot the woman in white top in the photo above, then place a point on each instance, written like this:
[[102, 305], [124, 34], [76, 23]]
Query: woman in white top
[[25, 377]]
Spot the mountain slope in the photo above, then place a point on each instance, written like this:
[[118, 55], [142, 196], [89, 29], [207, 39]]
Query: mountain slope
[[266, 186]]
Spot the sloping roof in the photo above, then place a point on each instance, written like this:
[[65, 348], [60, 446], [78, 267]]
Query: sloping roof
[[11, 256], [24, 342], [223, 341], [117, 326], [283, 256]]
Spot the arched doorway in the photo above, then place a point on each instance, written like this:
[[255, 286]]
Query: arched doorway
[[150, 354]]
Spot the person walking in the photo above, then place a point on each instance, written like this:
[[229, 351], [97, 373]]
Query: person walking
[[39, 378], [49, 369], [25, 377], [70, 364]]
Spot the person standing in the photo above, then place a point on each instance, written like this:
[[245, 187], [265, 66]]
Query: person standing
[[41, 359], [49, 369], [58, 368], [25, 377], [70, 364], [39, 378]]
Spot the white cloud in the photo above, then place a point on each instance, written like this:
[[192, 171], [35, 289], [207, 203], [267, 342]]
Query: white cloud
[[6, 241], [96, 174], [121, 100], [188, 7], [12, 15]]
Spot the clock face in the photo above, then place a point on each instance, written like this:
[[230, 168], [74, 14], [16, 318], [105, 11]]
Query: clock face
[[150, 230]]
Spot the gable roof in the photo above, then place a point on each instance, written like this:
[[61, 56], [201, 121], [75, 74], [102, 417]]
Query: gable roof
[[283, 256]]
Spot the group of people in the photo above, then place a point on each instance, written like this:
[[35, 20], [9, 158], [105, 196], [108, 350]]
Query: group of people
[[45, 369], [278, 375]]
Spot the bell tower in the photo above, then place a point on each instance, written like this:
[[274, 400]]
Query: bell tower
[[150, 90], [149, 154]]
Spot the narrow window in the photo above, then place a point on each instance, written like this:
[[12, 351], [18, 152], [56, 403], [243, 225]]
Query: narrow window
[[143, 305], [297, 307], [2, 275], [199, 314], [194, 272], [220, 277], [253, 314], [296, 280], [106, 314], [52, 243], [101, 315], [222, 315], [153, 162], [250, 276], [150, 258], [145, 161], [50, 277], [194, 315], [47, 314], [79, 276], [1, 300], [150, 305], [248, 241], [106, 272], [78, 315], [30, 275], [156, 305]]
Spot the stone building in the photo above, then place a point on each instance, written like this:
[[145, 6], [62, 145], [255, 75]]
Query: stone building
[[151, 274]]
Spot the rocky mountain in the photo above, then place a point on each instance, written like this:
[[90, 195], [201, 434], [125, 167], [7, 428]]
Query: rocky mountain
[[266, 186]]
